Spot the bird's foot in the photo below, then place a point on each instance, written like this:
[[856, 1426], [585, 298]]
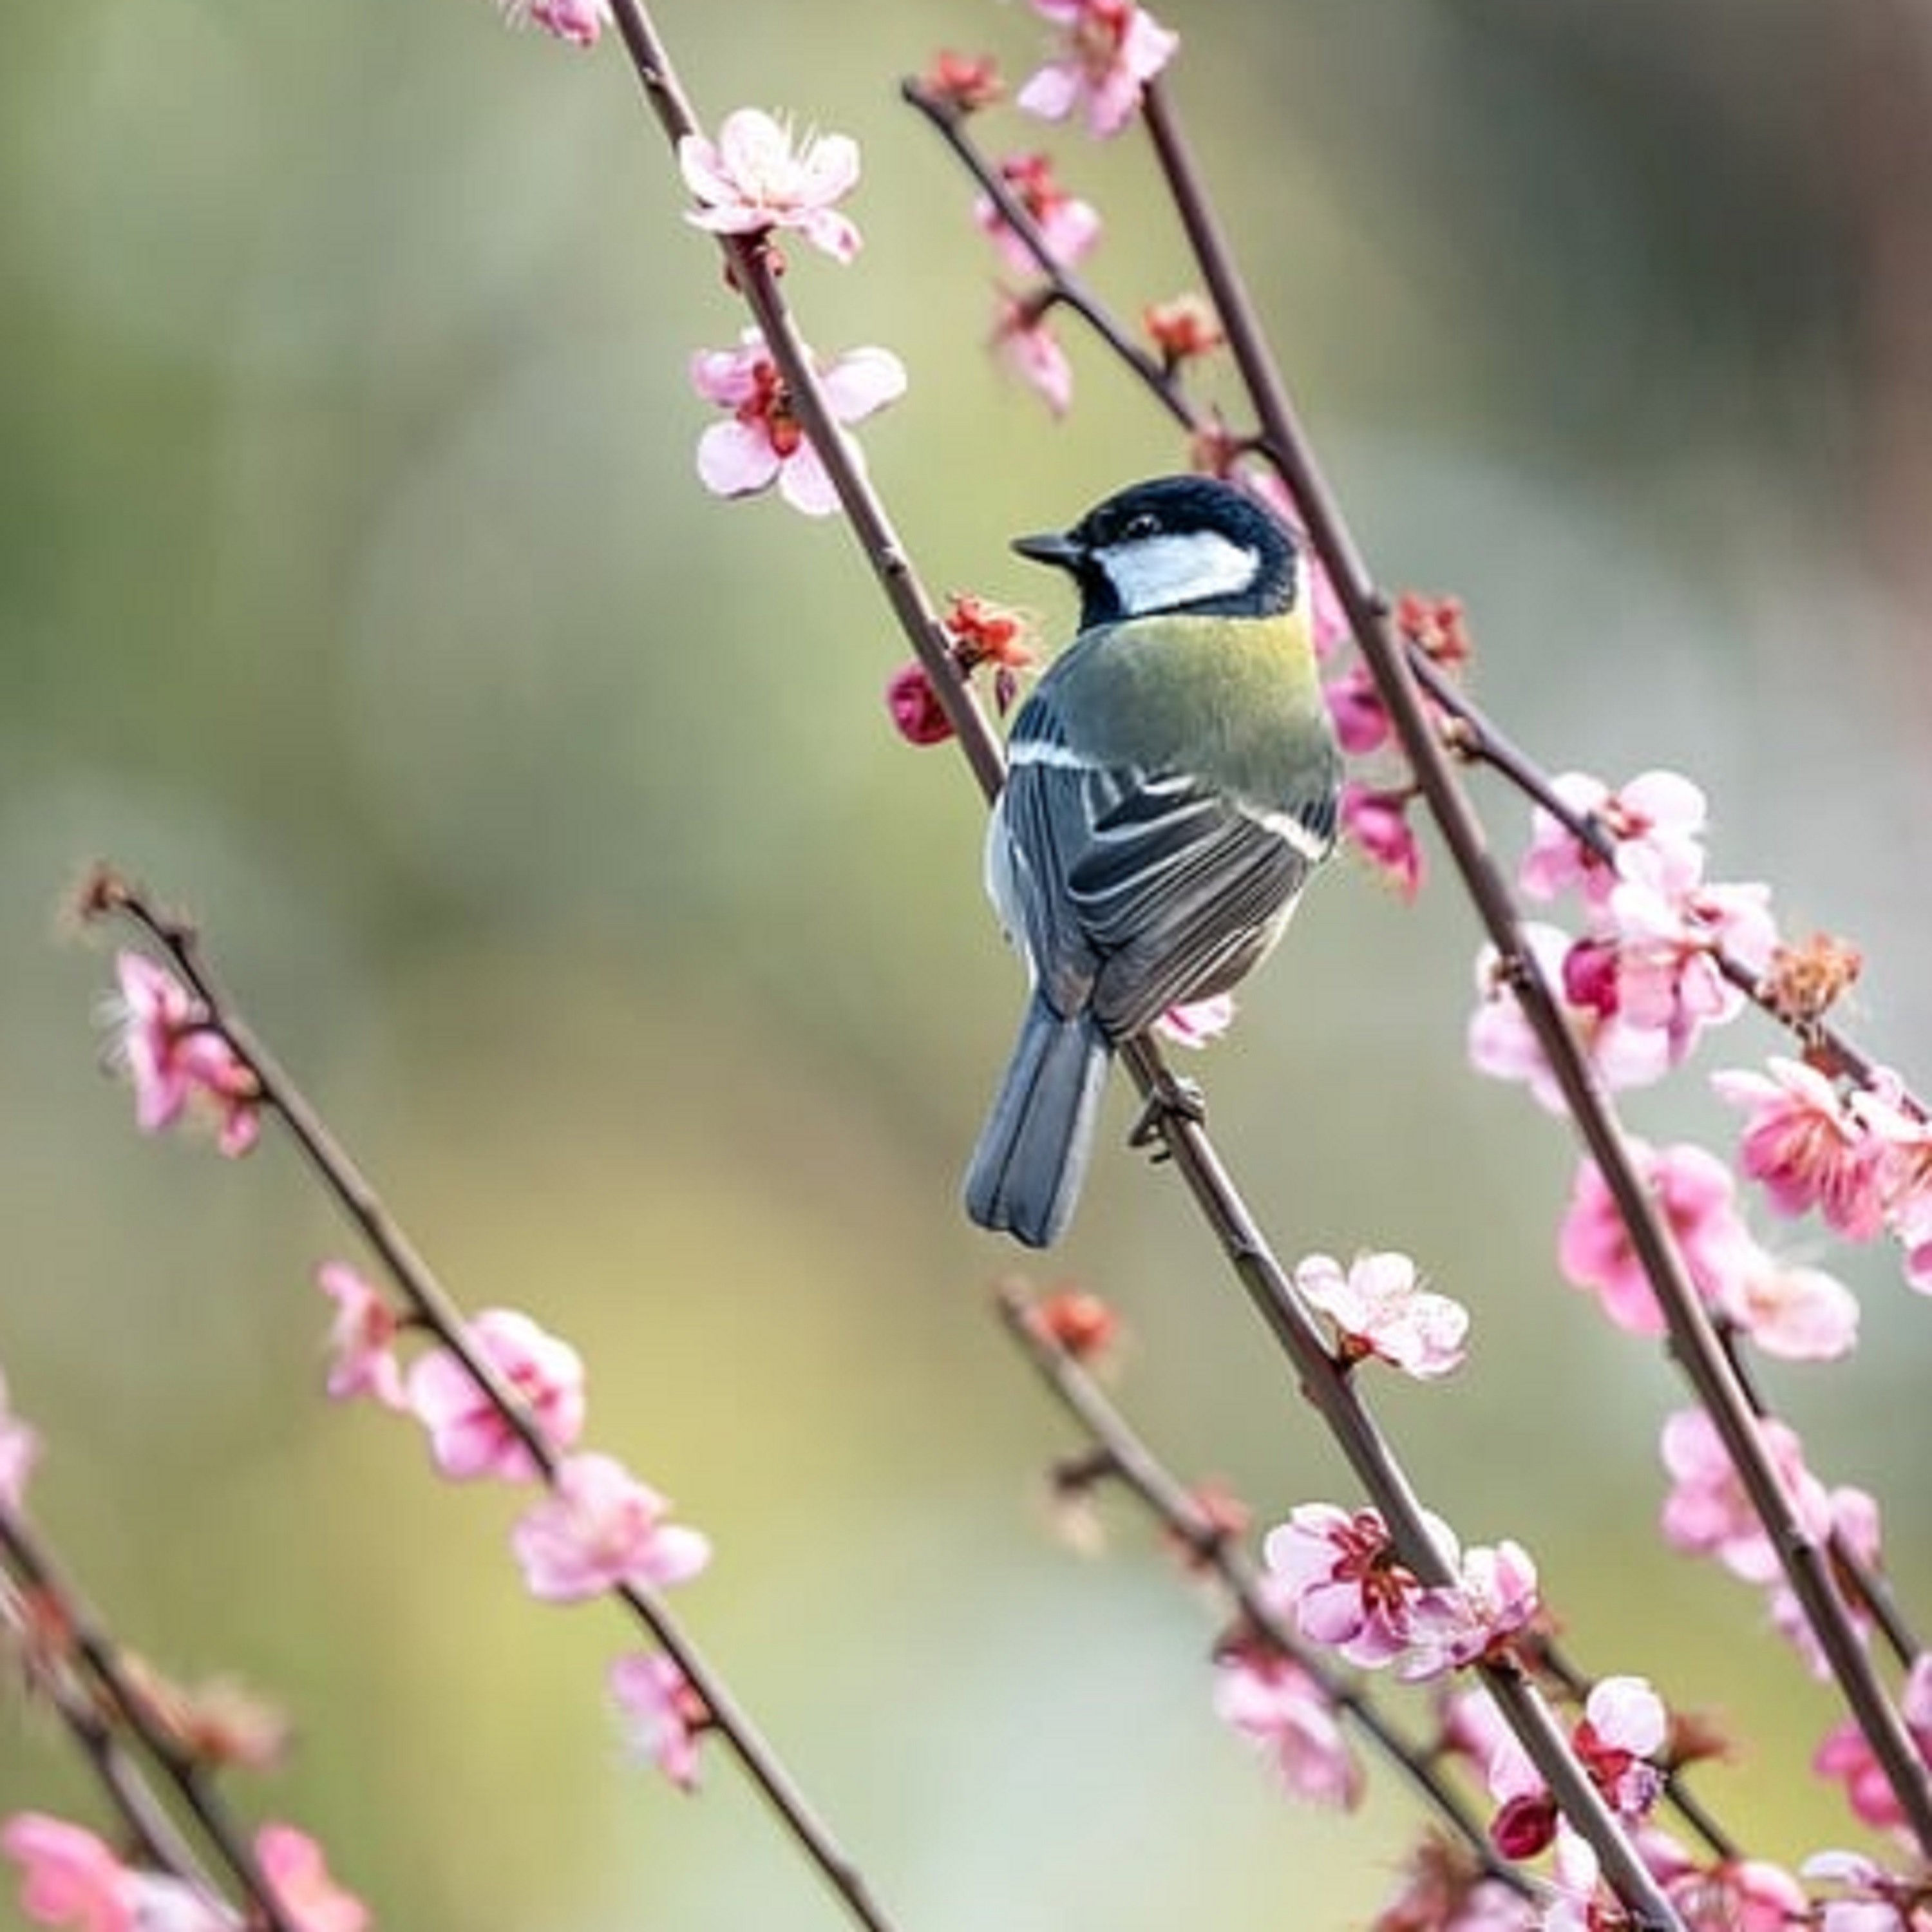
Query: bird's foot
[[1172, 1098]]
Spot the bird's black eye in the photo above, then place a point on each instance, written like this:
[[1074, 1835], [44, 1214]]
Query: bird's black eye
[[1147, 524]]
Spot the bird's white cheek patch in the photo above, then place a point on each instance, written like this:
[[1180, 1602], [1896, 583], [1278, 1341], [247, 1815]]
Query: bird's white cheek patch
[[1157, 573]]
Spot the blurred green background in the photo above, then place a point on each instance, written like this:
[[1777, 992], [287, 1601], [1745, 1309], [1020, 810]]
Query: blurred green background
[[355, 590]]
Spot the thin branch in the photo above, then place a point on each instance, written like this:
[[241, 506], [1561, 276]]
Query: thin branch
[[1124, 1454], [123, 1699], [438, 1312]]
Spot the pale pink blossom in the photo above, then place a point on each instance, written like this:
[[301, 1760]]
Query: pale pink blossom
[[1807, 1148], [1846, 1755], [1623, 1727], [19, 1450], [1734, 1895], [1108, 50], [599, 1527], [1024, 342], [362, 1339], [1696, 1194], [1069, 227], [579, 22], [1337, 1574], [1502, 1043], [664, 1717], [1375, 822], [160, 1032], [1196, 1023], [1707, 1512], [755, 177], [1873, 1899], [1657, 813], [1380, 1308], [293, 1864], [1277, 1704], [1495, 1596], [763, 441], [1797, 1313], [468, 1436]]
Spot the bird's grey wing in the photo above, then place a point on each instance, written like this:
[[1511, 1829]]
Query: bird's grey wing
[[1179, 890]]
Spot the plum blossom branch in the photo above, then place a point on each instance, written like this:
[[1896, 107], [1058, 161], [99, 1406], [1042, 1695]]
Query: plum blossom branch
[[101, 1694], [581, 1486], [1124, 1455], [1694, 1339]]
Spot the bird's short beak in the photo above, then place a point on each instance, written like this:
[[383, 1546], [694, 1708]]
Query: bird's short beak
[[1053, 546]]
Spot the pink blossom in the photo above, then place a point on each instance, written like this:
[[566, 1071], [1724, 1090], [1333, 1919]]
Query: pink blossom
[[362, 1339], [1495, 1596], [1695, 1193], [1272, 1700], [764, 441], [19, 1450], [1657, 813], [293, 1864], [1023, 341], [1443, 1889], [1196, 1023], [1846, 1756], [68, 1876], [1068, 227], [1338, 1576], [1502, 1043], [468, 1437], [752, 179], [1807, 1148], [1376, 822], [1707, 1512], [1108, 50], [1355, 706], [162, 1035], [580, 22], [599, 1527], [1874, 1901], [664, 1718], [1737, 1895], [1623, 1727], [1380, 1308]]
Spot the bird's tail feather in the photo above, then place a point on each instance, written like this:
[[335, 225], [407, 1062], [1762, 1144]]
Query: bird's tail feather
[[1032, 1156]]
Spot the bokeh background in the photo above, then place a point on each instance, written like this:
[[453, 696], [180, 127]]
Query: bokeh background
[[356, 590]]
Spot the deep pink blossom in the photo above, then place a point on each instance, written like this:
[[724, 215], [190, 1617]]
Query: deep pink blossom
[[362, 1339], [1068, 225], [1107, 51], [1695, 1192], [1196, 1023], [763, 441], [1623, 1728], [1375, 822], [1808, 1148], [1380, 1308], [664, 1719], [293, 1864], [914, 708], [161, 1034], [599, 1527], [1355, 707], [19, 1450], [755, 177], [1659, 814], [1337, 1574], [1273, 1701], [1707, 1512], [468, 1437], [1023, 341]]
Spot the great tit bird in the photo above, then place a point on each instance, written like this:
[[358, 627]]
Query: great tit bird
[[1171, 784]]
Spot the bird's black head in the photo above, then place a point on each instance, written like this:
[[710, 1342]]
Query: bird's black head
[[1177, 543]]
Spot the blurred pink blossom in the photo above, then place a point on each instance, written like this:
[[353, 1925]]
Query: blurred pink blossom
[[1107, 51], [664, 1717], [599, 1527], [468, 1437]]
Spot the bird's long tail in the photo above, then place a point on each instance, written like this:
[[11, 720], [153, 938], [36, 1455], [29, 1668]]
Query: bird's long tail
[[1032, 1156]]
